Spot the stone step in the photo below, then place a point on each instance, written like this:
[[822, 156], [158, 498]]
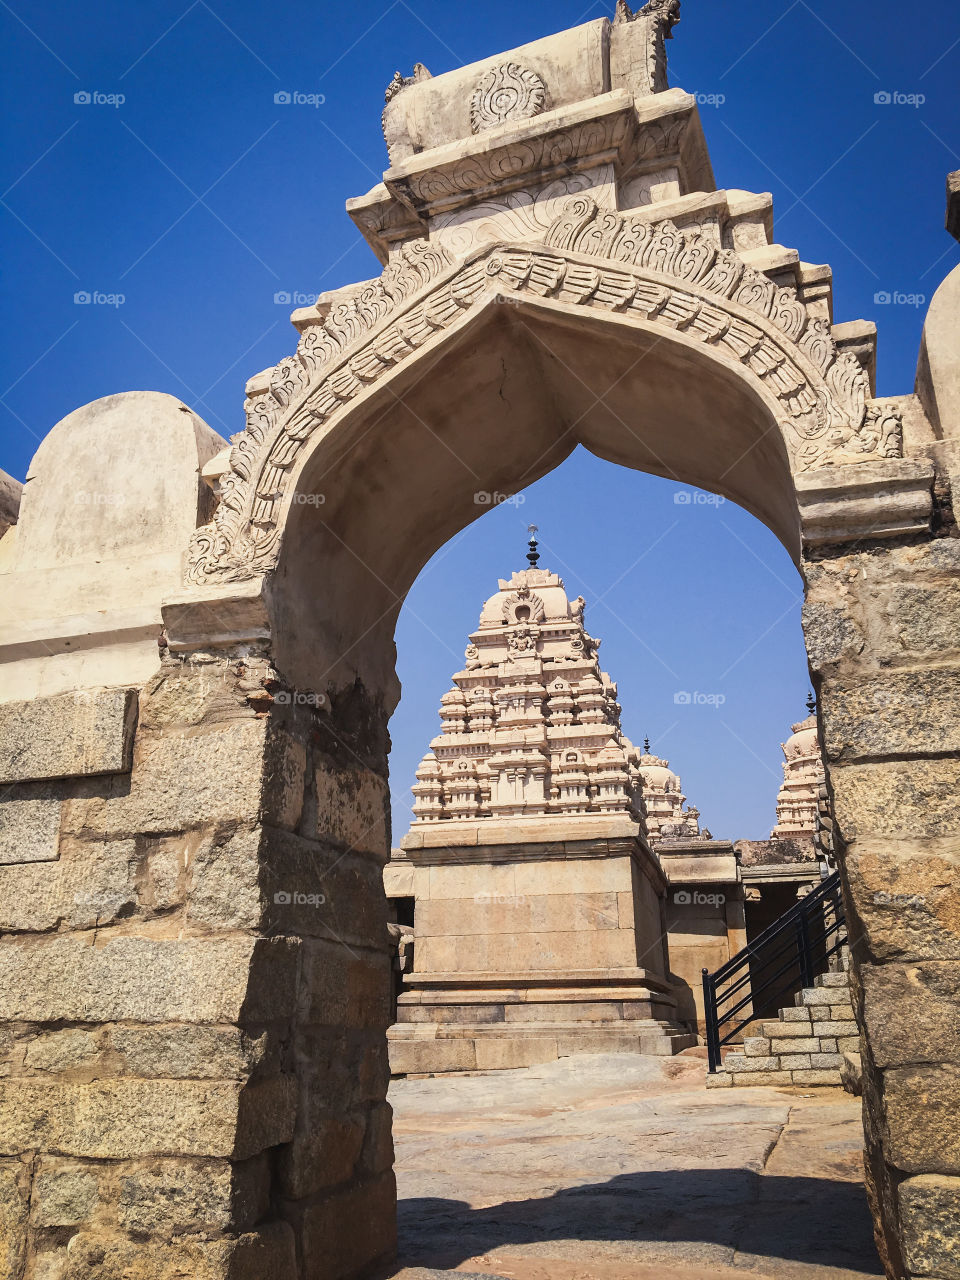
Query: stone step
[[812, 996], [797, 1014], [832, 980], [788, 1030], [757, 1047], [797, 1077]]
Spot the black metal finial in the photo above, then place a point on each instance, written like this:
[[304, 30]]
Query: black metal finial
[[533, 555], [646, 746], [811, 703]]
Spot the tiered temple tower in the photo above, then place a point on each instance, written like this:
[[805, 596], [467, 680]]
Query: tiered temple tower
[[539, 905], [664, 801], [803, 779]]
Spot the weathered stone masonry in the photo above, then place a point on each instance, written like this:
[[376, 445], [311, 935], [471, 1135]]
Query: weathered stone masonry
[[168, 1005], [194, 983]]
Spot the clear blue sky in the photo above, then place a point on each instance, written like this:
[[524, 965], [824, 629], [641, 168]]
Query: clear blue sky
[[199, 198]]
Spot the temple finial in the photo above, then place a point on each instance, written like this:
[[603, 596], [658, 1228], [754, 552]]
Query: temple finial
[[646, 746], [533, 555], [811, 703]]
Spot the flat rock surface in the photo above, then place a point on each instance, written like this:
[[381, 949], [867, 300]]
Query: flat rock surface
[[623, 1167]]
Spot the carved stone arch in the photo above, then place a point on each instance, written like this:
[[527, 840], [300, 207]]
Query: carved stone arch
[[617, 266]]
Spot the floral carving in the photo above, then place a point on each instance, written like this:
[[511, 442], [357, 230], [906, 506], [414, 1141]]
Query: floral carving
[[507, 92]]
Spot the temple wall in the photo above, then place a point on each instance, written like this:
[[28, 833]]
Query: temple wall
[[192, 924], [883, 634]]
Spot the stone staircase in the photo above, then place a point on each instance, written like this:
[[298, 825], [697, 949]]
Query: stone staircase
[[805, 1046]]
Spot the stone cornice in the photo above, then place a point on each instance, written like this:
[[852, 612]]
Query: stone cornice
[[884, 498], [631, 135]]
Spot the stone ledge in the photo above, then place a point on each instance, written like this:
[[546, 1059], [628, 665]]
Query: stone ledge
[[72, 735], [886, 498]]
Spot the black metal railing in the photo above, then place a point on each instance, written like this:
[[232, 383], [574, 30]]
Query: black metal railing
[[777, 963]]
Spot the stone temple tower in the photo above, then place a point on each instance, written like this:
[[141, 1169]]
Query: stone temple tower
[[539, 904], [798, 802]]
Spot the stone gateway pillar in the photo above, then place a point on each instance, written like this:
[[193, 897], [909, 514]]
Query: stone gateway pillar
[[197, 672], [193, 925]]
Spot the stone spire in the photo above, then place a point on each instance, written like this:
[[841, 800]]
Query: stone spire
[[803, 777], [531, 726]]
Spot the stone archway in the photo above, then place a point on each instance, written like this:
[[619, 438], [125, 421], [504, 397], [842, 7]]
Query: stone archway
[[559, 269]]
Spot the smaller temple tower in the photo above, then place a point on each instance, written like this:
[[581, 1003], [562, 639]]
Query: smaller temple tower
[[540, 920], [798, 802], [664, 801]]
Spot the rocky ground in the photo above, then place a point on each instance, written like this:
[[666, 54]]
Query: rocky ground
[[626, 1168]]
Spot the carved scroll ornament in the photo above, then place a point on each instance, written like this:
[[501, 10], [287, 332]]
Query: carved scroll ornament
[[610, 262]]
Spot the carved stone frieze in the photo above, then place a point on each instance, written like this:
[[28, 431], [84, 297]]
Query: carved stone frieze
[[520, 215], [504, 93], [607, 261]]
